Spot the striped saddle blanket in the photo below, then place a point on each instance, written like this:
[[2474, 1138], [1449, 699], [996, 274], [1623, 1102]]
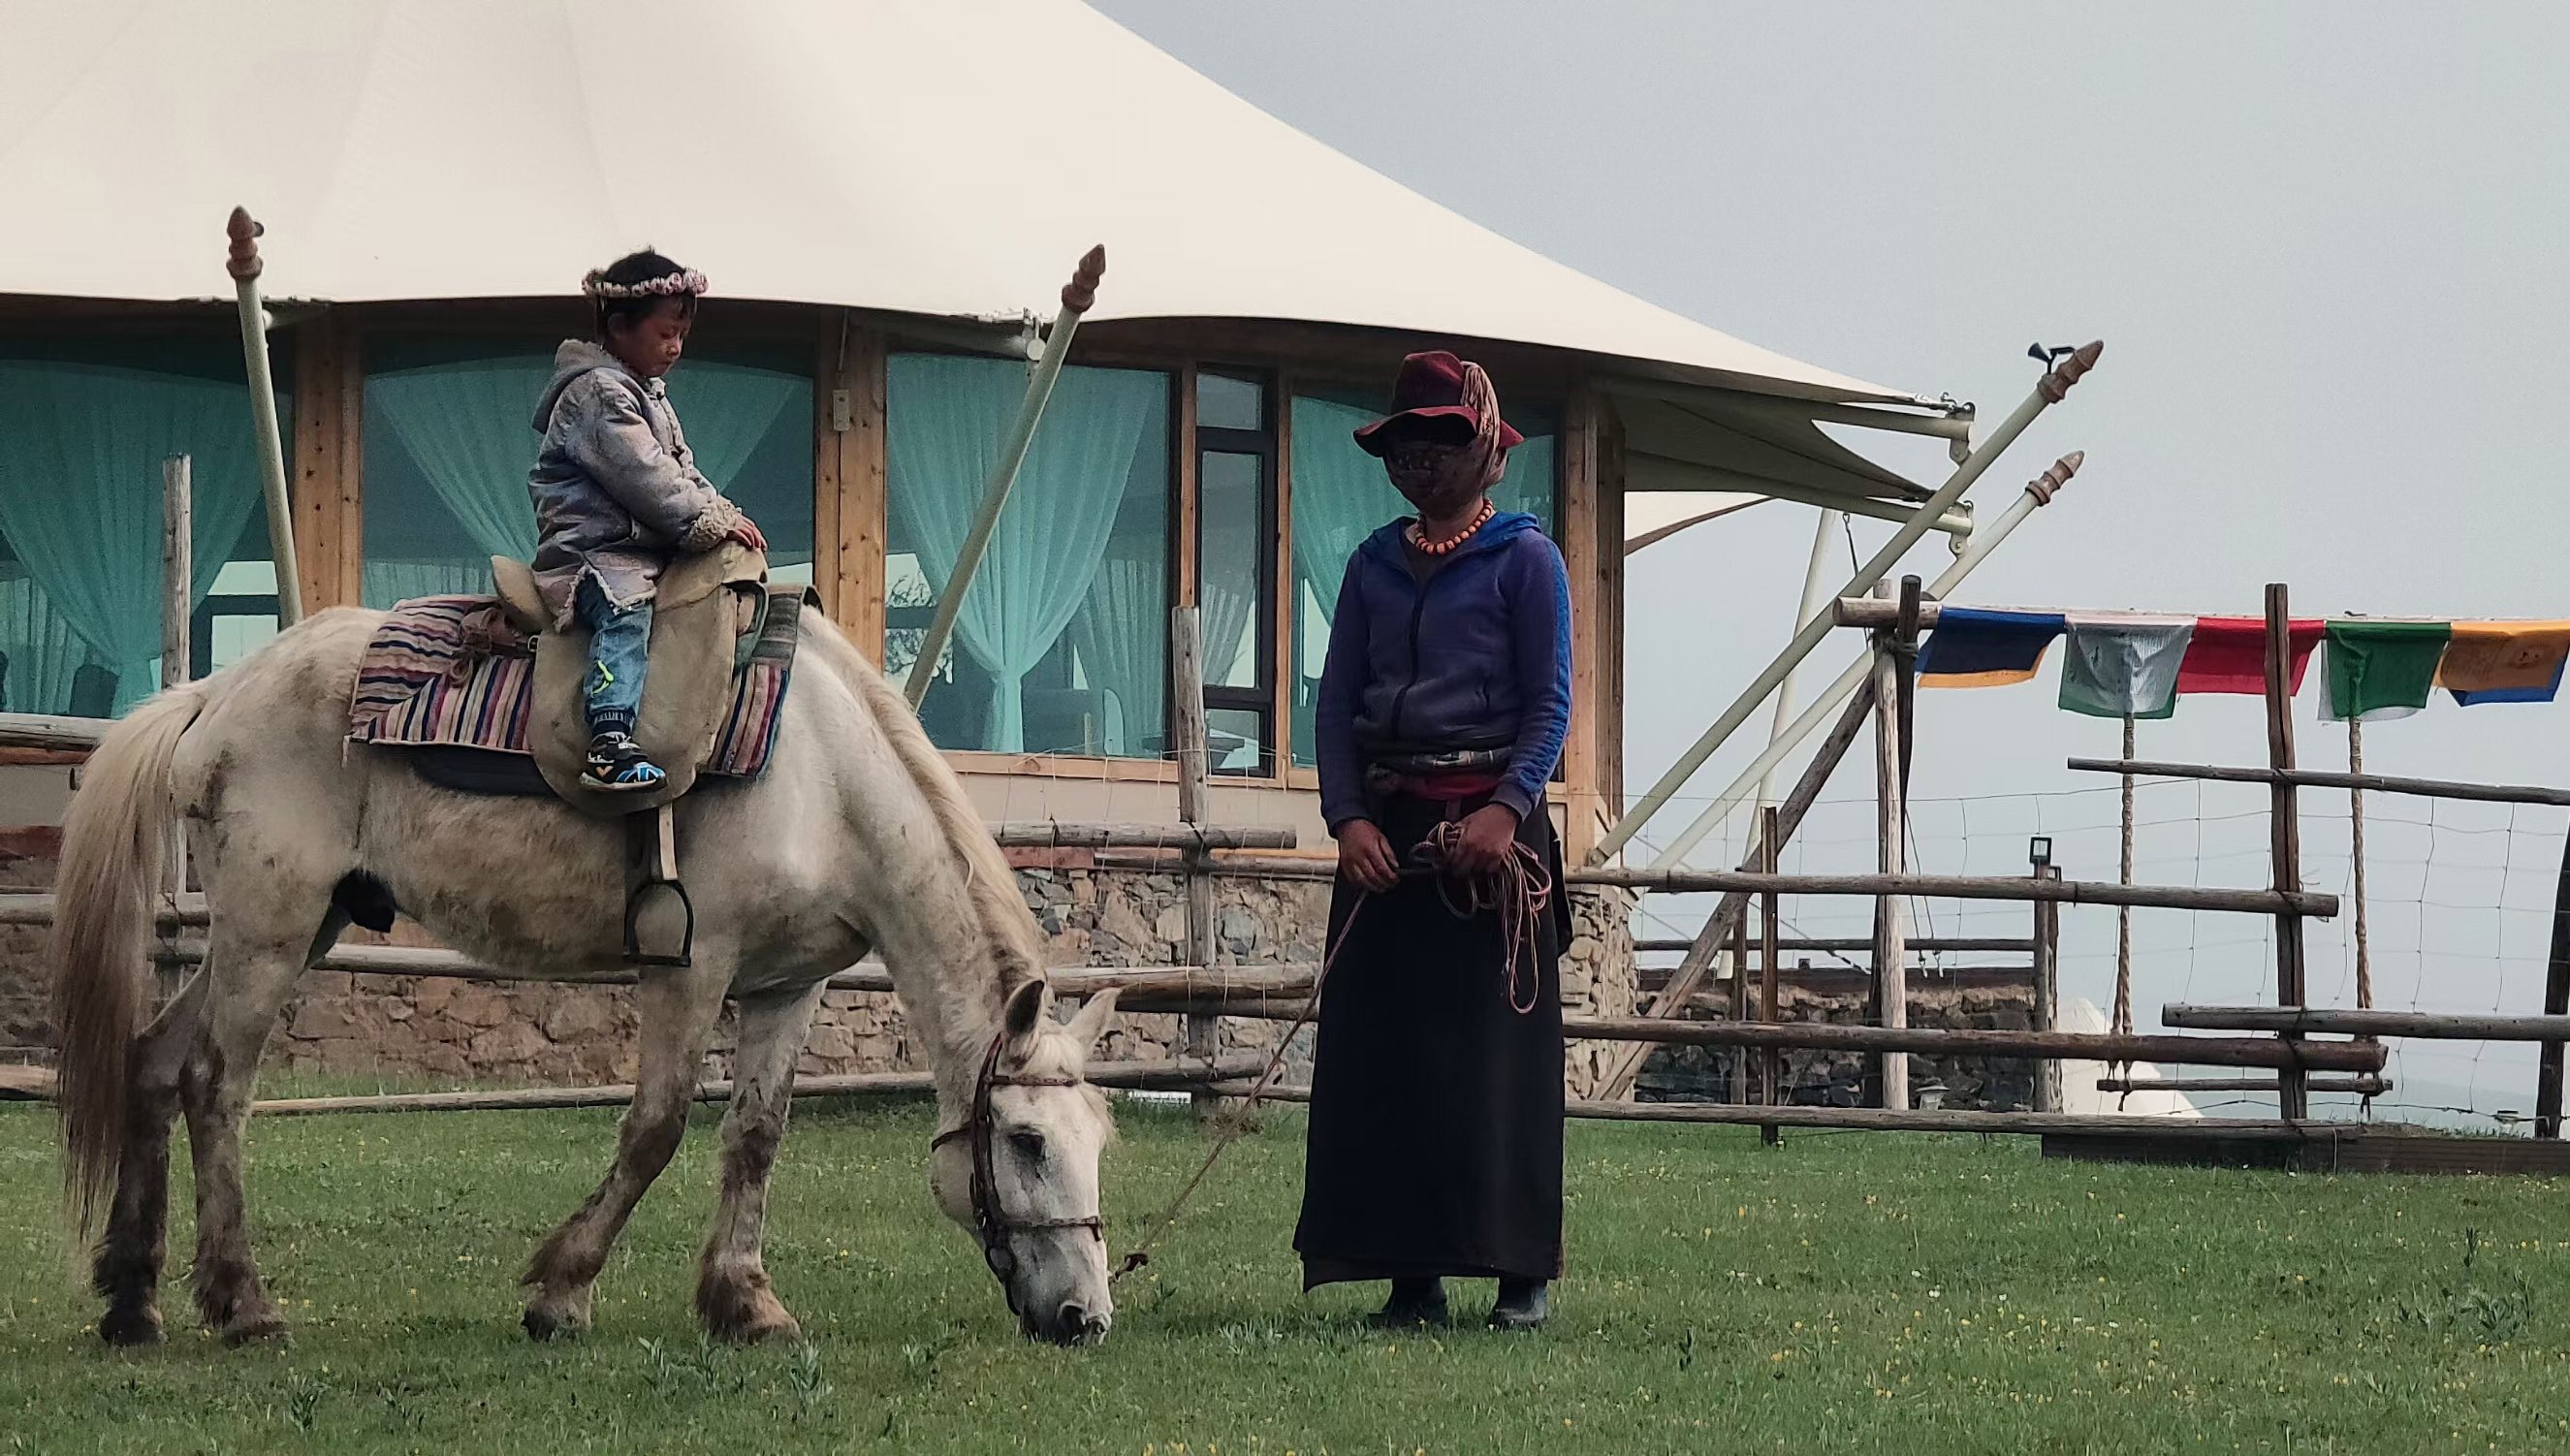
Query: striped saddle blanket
[[449, 672]]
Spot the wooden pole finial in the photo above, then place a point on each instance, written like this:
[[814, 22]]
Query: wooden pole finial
[[1081, 292], [2048, 485], [245, 232], [2070, 371]]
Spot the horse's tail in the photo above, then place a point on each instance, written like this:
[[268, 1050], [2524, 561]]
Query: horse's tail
[[116, 851]]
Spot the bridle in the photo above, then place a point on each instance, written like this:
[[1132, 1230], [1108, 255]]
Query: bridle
[[991, 1222]]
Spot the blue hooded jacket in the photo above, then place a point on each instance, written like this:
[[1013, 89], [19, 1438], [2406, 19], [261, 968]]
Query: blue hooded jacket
[[1475, 656]]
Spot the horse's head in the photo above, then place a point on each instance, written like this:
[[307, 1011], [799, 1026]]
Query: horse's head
[[1021, 1171]]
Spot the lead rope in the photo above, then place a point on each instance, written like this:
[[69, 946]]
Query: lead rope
[[1520, 891], [1141, 1254]]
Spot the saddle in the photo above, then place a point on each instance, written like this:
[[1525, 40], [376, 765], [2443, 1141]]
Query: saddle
[[707, 613], [705, 617]]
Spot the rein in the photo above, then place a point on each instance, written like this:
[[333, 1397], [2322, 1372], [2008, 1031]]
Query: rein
[[1520, 891]]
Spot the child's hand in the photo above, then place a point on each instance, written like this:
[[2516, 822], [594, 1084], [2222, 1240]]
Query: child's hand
[[747, 533]]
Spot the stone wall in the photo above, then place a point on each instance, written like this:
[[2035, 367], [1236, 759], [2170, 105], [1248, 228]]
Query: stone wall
[[1596, 978], [26, 1024], [1836, 1079]]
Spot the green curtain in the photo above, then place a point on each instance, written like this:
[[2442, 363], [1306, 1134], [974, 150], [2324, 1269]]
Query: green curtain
[[392, 582], [1123, 649], [466, 427], [80, 447], [39, 651], [726, 410], [946, 415]]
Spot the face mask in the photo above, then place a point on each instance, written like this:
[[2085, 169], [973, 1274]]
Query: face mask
[[1439, 479]]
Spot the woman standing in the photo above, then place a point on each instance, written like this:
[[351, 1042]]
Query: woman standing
[[1437, 1100]]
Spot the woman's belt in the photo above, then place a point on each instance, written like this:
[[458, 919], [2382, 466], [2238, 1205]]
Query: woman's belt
[[1450, 774]]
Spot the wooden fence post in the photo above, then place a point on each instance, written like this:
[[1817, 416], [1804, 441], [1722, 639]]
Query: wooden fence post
[[1890, 913], [1186, 678], [2556, 1001], [2048, 977], [2284, 835], [1770, 841], [1741, 1008], [178, 600]]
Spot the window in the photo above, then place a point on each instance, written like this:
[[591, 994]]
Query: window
[[1235, 567], [85, 424], [450, 439], [1062, 641], [1341, 495]]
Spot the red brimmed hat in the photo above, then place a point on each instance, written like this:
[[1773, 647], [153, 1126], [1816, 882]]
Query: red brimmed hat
[[1429, 387]]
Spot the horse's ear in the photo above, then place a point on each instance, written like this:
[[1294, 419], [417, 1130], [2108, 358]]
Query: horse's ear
[[1090, 1025], [1026, 1008]]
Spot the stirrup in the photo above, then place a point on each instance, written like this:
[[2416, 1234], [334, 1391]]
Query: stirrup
[[651, 864]]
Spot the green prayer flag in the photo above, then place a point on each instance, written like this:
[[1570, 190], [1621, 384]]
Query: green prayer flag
[[2381, 669]]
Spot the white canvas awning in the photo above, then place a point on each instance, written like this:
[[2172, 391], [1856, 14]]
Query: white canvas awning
[[1656, 515], [944, 157]]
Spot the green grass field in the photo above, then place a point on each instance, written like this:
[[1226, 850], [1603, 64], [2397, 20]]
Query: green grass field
[[1846, 1291]]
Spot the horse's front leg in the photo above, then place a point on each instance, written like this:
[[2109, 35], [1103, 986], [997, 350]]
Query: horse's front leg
[[679, 1010], [733, 1294]]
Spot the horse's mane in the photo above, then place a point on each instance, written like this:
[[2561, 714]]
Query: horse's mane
[[987, 881]]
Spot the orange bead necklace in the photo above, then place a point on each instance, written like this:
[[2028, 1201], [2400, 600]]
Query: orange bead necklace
[[1428, 548]]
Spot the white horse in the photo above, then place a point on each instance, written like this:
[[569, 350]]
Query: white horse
[[858, 836]]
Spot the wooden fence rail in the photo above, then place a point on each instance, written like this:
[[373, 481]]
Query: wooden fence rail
[[2429, 1024], [2022, 944], [2321, 779], [1972, 887]]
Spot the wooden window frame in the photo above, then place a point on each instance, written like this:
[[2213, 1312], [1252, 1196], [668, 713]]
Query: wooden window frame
[[1266, 695]]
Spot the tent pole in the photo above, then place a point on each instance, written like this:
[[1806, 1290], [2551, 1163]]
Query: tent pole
[[2038, 493], [2048, 391], [1076, 297], [1812, 602], [244, 266]]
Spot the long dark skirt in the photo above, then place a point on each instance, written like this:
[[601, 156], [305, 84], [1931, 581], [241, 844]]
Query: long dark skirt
[[1436, 1131]]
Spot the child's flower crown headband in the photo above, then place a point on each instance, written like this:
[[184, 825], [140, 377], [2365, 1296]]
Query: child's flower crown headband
[[686, 280]]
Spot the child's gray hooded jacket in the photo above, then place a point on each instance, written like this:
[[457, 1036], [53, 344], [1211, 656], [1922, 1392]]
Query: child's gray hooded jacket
[[616, 490]]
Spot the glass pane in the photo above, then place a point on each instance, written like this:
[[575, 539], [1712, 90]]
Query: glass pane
[[85, 424], [1063, 643], [1233, 557], [1235, 741], [1224, 402], [1341, 495]]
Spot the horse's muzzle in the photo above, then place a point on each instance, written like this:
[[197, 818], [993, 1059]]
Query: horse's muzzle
[[1068, 1324]]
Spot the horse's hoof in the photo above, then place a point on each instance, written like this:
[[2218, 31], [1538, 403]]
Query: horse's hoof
[[258, 1328], [128, 1327], [743, 1312], [782, 1326]]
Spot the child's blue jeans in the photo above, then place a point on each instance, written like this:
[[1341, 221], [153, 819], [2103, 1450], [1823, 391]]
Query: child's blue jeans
[[620, 653]]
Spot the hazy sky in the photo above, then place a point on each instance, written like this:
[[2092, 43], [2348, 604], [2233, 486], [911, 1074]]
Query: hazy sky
[[2325, 247]]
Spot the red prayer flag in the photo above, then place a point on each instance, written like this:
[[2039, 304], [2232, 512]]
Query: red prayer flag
[[2228, 654]]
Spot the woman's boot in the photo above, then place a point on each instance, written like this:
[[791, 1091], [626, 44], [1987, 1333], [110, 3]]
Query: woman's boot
[[1415, 1304], [1523, 1304]]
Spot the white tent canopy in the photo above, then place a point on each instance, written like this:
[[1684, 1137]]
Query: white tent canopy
[[926, 157]]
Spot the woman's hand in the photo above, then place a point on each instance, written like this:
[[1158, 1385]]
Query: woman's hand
[[748, 535], [1366, 857], [1490, 832]]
